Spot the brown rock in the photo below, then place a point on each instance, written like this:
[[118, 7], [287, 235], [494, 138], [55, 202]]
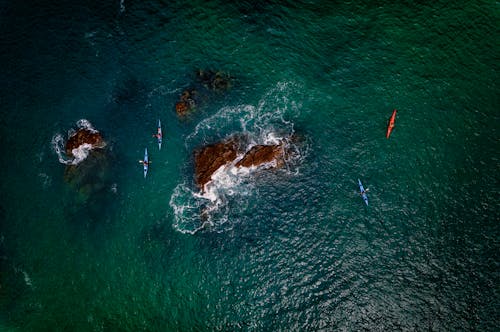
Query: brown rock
[[211, 157], [262, 154], [181, 108], [84, 136]]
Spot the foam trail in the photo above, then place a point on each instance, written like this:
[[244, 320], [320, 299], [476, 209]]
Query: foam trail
[[58, 147]]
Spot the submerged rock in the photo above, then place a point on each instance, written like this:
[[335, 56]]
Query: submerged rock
[[218, 81], [89, 176], [207, 82], [186, 102]]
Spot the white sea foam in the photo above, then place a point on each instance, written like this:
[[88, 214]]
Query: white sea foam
[[81, 153], [58, 147], [263, 124], [85, 124]]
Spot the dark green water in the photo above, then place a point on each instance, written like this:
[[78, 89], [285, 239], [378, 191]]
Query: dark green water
[[292, 249]]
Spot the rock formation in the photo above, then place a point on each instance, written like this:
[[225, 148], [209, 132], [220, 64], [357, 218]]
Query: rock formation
[[211, 157], [84, 136], [89, 170], [263, 154]]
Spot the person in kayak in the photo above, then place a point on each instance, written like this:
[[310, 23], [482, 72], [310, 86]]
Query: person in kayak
[[157, 135], [145, 163]]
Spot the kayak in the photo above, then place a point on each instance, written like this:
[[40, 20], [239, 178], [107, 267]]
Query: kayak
[[390, 126], [159, 135], [146, 162], [363, 192]]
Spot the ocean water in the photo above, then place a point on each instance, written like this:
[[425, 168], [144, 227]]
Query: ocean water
[[293, 249]]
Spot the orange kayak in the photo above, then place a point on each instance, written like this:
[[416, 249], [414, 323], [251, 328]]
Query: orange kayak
[[390, 126]]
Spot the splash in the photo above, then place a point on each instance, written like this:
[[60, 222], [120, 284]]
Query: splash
[[81, 153], [216, 207]]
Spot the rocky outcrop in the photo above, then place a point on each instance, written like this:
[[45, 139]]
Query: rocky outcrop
[[210, 158], [263, 154], [233, 152], [84, 136]]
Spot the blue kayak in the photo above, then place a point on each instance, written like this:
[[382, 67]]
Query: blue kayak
[[145, 162], [159, 135], [363, 192]]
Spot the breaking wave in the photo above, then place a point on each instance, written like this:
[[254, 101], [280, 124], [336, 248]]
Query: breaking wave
[[216, 207]]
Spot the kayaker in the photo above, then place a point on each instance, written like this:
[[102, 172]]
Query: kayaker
[[145, 163], [157, 135]]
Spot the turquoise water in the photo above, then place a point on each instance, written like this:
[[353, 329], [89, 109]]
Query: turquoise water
[[292, 249]]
